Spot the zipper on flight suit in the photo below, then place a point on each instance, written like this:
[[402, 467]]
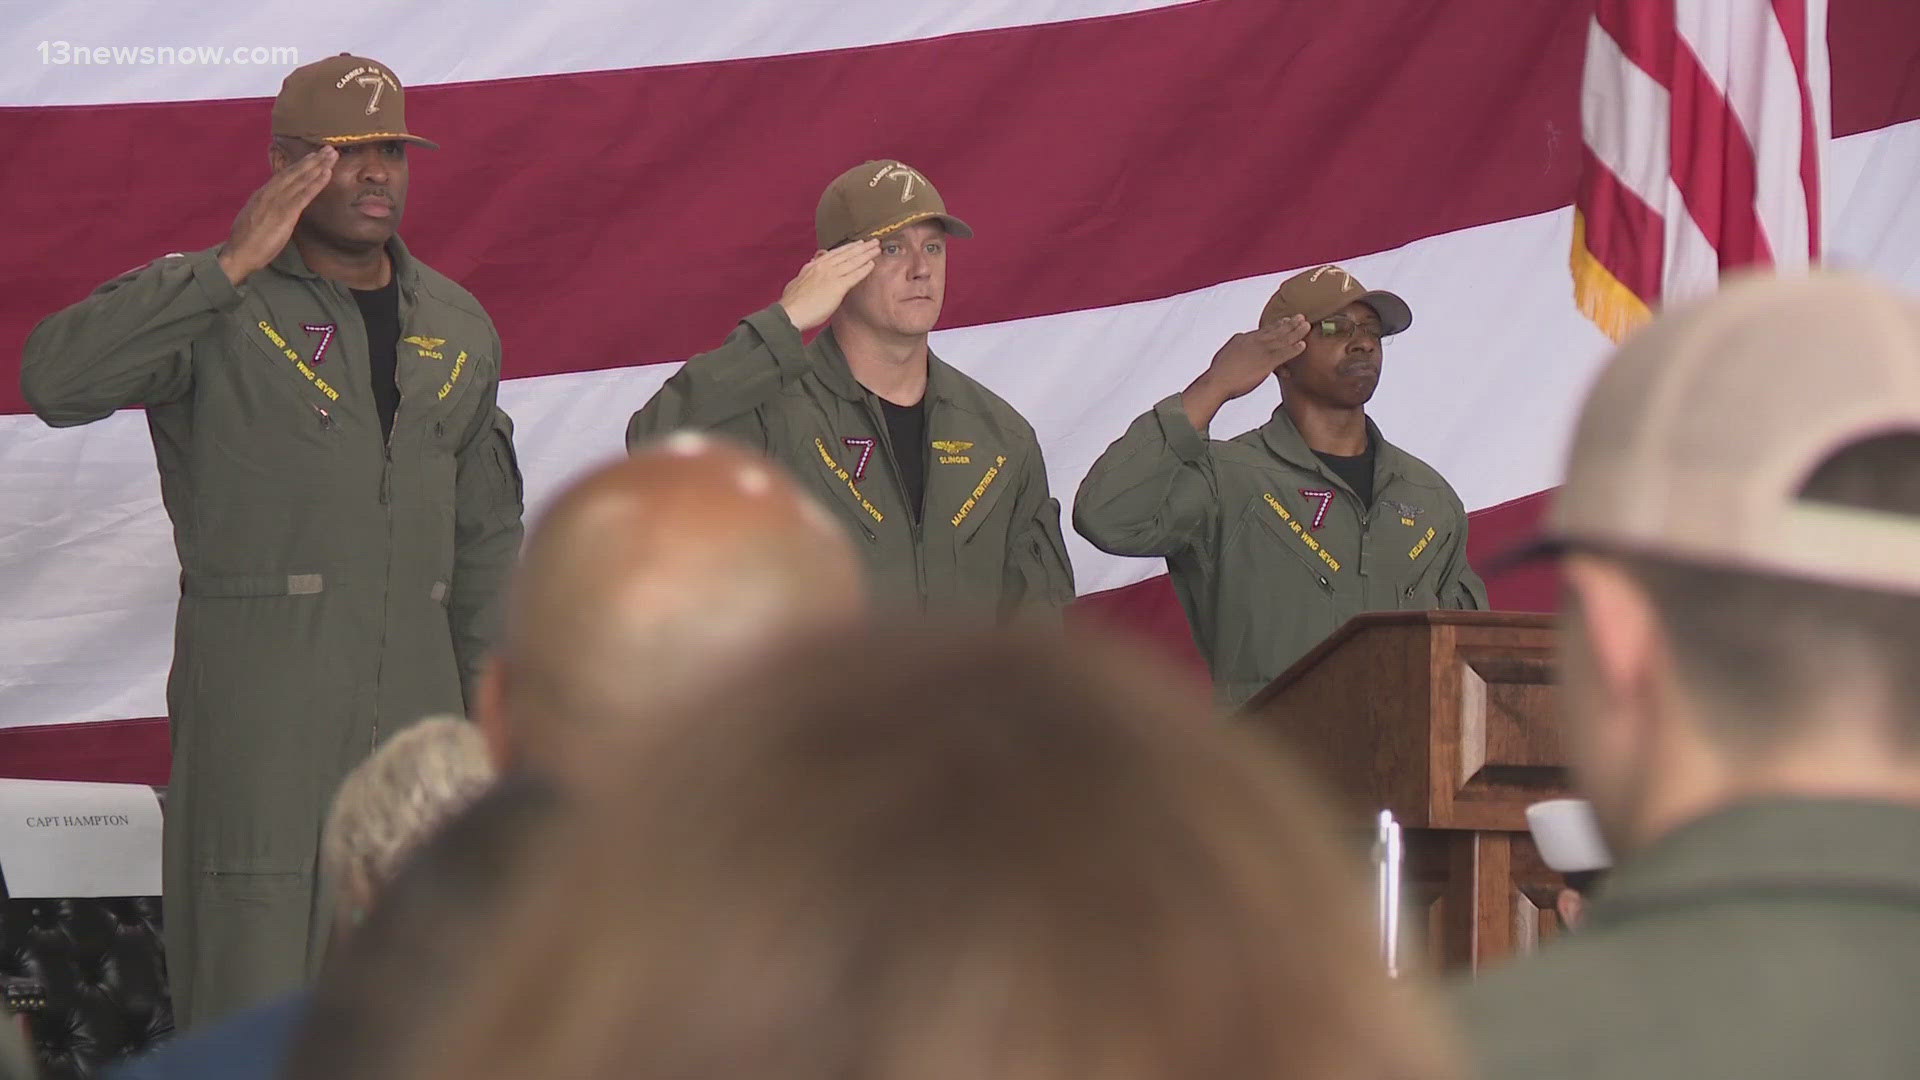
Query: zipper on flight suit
[[352, 308], [400, 402], [405, 304], [1366, 514], [386, 470]]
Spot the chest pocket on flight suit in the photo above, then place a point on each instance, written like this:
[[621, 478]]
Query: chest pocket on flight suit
[[1277, 526], [1420, 581], [446, 416], [261, 348], [1264, 563], [830, 468], [979, 536]]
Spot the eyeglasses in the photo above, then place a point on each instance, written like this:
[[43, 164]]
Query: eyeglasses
[[1343, 327]]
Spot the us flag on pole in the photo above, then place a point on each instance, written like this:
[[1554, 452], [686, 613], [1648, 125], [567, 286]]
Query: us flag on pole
[[1704, 123]]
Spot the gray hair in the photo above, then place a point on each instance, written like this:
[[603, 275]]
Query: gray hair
[[397, 798]]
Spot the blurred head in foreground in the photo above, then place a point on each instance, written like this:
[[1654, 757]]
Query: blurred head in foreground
[[394, 801], [909, 856], [646, 580], [428, 939]]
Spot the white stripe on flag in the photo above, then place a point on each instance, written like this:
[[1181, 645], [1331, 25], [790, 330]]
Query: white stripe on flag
[[520, 39], [1820, 87], [1692, 264]]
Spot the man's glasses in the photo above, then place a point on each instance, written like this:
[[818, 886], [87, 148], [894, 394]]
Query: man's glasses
[[1343, 327]]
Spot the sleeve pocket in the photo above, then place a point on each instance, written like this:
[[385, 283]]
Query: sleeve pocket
[[506, 463]]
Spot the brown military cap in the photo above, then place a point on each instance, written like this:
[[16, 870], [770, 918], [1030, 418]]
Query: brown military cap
[[1318, 293], [343, 99], [876, 198]]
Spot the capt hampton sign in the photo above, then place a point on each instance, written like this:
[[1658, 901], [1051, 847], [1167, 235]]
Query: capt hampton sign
[[67, 821], [60, 839]]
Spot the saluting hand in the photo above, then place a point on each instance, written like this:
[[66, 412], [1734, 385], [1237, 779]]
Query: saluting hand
[[266, 223], [1246, 360], [812, 297], [1241, 365]]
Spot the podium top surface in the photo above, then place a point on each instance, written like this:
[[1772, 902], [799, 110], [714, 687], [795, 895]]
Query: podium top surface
[[1444, 717], [1370, 620]]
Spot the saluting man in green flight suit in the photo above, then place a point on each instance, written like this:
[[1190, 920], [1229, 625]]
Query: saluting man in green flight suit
[[345, 502], [1278, 536], [939, 481]]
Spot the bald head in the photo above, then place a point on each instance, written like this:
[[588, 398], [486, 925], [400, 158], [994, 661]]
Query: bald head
[[649, 579]]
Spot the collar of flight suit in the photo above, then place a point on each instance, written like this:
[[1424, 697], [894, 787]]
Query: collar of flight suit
[[834, 371], [1784, 847], [1286, 443], [405, 271]]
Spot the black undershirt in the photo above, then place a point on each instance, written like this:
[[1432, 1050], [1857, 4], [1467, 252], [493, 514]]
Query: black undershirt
[[1356, 471], [380, 310], [907, 431]]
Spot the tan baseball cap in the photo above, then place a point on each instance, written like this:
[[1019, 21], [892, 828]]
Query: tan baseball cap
[[874, 198], [1320, 292], [1697, 436], [343, 99]]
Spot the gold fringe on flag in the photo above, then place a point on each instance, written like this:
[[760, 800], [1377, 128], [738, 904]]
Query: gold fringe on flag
[[1600, 296]]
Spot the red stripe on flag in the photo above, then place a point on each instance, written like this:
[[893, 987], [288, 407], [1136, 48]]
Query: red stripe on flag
[[1147, 610], [1644, 31], [1792, 16], [1874, 46], [102, 752], [1623, 232]]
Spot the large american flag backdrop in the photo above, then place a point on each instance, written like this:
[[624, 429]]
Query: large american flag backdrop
[[619, 182]]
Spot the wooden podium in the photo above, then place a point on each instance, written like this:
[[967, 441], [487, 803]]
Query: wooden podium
[[1446, 718]]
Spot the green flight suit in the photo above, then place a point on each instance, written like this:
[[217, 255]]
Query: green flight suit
[[1775, 940], [334, 586], [990, 543], [1269, 550]]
